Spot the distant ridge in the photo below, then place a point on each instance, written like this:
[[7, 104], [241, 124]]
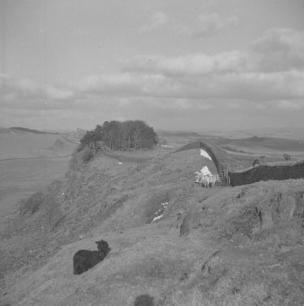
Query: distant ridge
[[178, 133], [27, 130], [275, 143]]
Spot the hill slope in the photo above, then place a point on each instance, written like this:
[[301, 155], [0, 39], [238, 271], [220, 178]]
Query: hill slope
[[220, 246]]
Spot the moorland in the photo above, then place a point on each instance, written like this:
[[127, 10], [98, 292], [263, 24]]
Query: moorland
[[210, 246]]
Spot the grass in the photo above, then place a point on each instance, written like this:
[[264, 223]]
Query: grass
[[227, 256]]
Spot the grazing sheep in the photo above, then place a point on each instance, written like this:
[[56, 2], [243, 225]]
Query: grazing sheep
[[256, 163], [83, 260], [207, 181], [144, 300]]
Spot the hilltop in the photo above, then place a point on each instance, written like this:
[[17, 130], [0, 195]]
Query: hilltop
[[223, 246]]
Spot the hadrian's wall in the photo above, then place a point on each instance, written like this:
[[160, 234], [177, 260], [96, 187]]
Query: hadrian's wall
[[267, 172], [217, 155], [255, 174]]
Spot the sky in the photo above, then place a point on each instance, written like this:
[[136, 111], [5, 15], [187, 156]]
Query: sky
[[178, 65]]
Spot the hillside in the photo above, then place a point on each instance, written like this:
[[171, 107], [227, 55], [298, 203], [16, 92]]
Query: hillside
[[219, 246], [263, 144], [29, 161], [27, 143]]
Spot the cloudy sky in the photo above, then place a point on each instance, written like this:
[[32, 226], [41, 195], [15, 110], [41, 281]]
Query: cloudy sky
[[195, 64]]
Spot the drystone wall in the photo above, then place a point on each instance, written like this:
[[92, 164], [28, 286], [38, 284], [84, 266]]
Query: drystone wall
[[266, 173]]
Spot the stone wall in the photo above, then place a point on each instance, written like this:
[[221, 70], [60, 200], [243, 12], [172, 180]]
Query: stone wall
[[267, 172]]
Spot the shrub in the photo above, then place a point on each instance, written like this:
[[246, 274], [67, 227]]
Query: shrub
[[286, 156]]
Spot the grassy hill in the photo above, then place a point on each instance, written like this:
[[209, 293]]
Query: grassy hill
[[220, 246]]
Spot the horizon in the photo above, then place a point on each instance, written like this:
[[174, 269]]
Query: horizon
[[284, 132], [195, 66]]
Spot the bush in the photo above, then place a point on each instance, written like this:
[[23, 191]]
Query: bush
[[286, 156]]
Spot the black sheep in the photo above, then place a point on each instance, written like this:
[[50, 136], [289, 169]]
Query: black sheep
[[83, 260], [144, 300]]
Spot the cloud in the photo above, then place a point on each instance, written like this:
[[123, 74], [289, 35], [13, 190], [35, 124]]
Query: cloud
[[56, 93], [208, 24], [223, 84], [234, 74], [204, 24], [125, 84], [192, 64], [213, 23], [156, 21], [290, 105], [279, 50], [25, 93], [269, 75]]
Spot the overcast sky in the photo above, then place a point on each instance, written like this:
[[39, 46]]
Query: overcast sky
[[195, 64]]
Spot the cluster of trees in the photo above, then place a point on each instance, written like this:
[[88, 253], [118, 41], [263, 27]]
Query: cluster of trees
[[116, 135]]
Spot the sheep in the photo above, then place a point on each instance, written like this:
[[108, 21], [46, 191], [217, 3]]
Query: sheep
[[207, 180], [144, 300], [83, 260], [256, 163], [212, 180]]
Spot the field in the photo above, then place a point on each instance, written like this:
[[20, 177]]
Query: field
[[218, 246]]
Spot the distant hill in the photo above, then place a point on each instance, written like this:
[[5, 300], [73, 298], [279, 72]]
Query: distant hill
[[18, 129], [18, 142], [178, 133], [273, 143]]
